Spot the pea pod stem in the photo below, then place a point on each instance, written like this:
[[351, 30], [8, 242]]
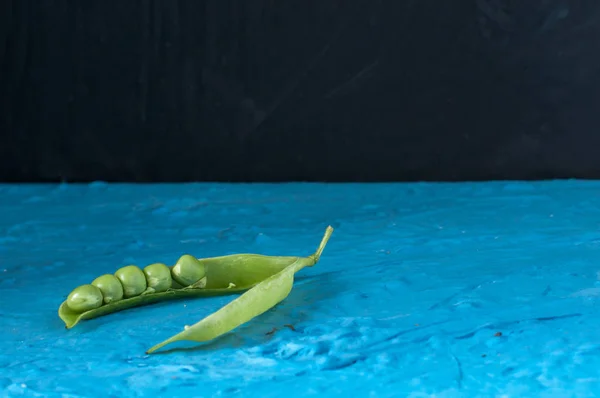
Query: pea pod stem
[[317, 254], [254, 302]]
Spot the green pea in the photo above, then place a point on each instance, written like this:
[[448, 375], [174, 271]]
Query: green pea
[[133, 280], [188, 270], [158, 276], [84, 298], [111, 288]]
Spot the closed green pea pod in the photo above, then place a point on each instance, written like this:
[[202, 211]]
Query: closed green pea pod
[[110, 286], [84, 298], [188, 270], [158, 277], [133, 280]]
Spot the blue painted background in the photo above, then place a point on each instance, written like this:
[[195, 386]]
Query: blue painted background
[[446, 290]]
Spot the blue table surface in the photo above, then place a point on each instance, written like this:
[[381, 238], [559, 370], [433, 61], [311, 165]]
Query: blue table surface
[[445, 290]]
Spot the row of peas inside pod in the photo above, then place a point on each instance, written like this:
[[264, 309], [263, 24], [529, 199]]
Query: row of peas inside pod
[[132, 281]]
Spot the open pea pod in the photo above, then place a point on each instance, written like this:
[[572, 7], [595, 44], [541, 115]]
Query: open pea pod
[[256, 301], [215, 276]]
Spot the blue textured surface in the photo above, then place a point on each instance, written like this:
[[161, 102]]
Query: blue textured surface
[[407, 301]]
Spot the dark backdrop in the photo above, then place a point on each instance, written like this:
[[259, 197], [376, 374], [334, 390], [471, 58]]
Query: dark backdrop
[[267, 90]]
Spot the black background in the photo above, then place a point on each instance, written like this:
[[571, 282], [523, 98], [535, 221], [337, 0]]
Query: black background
[[265, 90]]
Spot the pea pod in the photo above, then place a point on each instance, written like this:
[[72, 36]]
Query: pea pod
[[222, 276], [256, 301]]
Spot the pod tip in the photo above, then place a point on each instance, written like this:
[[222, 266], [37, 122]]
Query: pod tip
[[159, 346]]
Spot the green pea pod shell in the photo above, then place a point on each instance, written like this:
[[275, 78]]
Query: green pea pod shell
[[225, 275], [256, 301]]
